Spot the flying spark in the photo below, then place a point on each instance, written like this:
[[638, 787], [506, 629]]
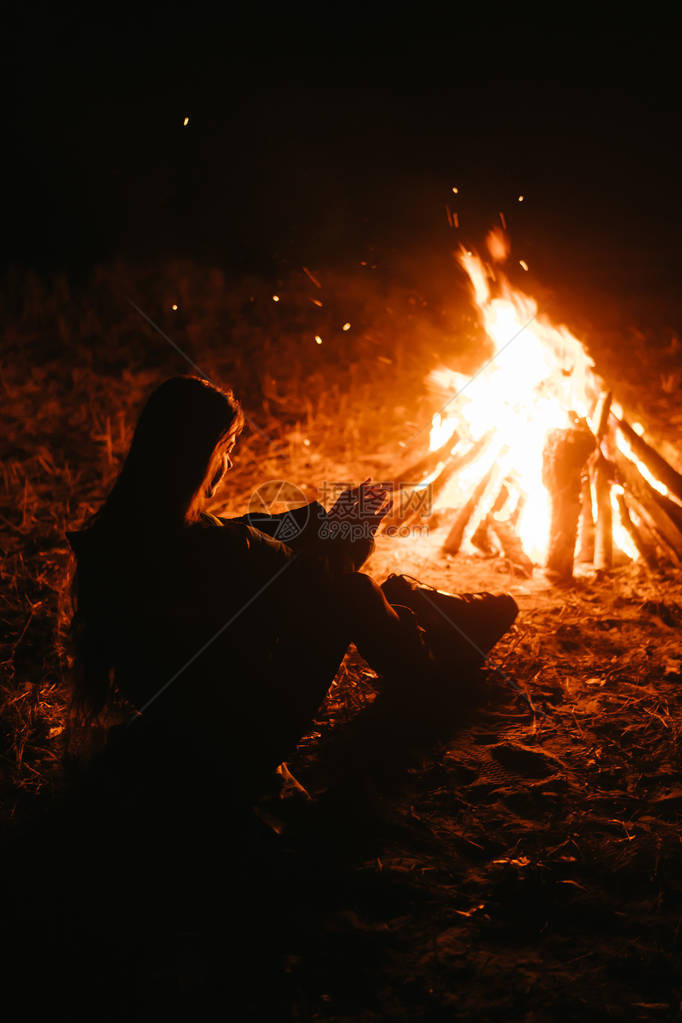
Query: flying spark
[[311, 276]]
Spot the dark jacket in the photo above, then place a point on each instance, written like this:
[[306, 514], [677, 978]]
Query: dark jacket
[[220, 621]]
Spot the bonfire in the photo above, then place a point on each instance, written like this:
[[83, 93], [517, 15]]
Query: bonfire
[[532, 458]]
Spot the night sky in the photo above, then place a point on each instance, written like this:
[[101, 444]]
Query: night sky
[[311, 141]]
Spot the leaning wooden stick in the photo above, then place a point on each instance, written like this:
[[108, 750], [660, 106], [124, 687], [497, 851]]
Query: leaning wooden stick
[[481, 538], [654, 462], [419, 470], [646, 550], [649, 533], [586, 530], [602, 416], [657, 507], [454, 538], [455, 463], [512, 546], [603, 539]]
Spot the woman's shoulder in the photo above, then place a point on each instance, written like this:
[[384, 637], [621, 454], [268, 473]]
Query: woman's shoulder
[[208, 520]]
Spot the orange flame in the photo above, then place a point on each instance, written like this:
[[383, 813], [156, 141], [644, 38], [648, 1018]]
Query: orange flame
[[538, 378]]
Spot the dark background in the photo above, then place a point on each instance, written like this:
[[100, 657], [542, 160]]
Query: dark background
[[338, 135]]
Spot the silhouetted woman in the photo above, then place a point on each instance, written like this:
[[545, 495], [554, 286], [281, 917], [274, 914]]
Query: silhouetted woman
[[225, 638]]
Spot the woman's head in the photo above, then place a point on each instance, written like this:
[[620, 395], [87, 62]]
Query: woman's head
[[179, 452]]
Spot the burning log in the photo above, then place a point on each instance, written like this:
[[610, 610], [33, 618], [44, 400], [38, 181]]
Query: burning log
[[586, 523], [512, 546], [603, 540], [458, 462], [647, 529], [659, 509], [564, 455], [420, 470], [602, 420], [481, 538], [654, 462], [602, 476], [646, 548], [490, 497], [452, 466], [454, 538], [518, 510]]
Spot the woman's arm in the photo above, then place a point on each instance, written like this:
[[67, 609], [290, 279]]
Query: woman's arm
[[343, 546], [295, 527]]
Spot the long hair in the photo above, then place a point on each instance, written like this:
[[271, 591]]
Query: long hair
[[184, 423]]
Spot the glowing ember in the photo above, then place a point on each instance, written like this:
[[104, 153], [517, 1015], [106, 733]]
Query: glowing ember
[[498, 245]]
